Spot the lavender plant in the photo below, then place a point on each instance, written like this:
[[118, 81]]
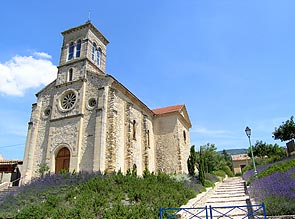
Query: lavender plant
[[275, 186]]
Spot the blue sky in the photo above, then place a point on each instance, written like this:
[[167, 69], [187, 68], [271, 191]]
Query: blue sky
[[230, 61]]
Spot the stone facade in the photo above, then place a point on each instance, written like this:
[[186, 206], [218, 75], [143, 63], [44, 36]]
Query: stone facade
[[102, 125]]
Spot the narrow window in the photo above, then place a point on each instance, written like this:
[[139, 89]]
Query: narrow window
[[70, 75], [98, 56], [78, 49], [148, 137], [93, 51], [184, 136], [134, 129], [71, 51]]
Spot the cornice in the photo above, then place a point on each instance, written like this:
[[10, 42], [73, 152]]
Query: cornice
[[90, 26]]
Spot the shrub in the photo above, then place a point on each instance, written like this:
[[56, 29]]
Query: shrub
[[208, 183], [84, 195], [220, 173], [228, 171], [276, 191], [211, 177]]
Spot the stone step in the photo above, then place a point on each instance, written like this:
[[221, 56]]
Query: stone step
[[230, 196], [8, 191], [218, 192]]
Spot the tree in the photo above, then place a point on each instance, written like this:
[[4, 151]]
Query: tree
[[43, 169], [191, 161], [286, 131], [262, 149], [227, 158], [201, 168], [211, 157]]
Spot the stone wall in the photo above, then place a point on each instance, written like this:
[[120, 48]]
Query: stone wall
[[172, 150]]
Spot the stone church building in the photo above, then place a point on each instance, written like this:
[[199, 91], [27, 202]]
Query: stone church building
[[86, 120]]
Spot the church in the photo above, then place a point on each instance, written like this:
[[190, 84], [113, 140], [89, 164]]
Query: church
[[86, 120]]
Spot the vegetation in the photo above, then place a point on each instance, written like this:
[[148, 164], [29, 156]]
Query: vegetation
[[191, 162], [201, 167], [274, 186], [43, 169], [83, 195], [264, 150], [211, 161], [286, 131]]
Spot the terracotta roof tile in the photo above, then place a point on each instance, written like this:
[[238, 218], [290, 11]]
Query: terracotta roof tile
[[240, 157], [168, 109]]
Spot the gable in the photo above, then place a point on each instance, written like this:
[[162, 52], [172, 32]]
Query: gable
[[179, 110]]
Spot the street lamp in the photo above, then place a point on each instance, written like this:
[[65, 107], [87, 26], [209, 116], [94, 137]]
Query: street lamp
[[248, 133]]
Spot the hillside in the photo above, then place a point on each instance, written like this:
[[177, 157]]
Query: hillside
[[235, 151], [98, 196]]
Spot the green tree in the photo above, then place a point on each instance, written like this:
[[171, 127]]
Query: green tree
[[43, 169], [227, 158], [286, 131], [211, 157], [201, 167], [191, 161], [262, 149]]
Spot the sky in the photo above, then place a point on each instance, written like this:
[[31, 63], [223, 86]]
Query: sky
[[231, 62]]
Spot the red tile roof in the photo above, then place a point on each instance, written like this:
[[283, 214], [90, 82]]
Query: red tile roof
[[240, 157], [168, 109]]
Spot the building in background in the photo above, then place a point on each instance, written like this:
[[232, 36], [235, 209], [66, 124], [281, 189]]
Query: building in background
[[239, 162]]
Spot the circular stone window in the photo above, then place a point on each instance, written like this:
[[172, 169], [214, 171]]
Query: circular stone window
[[92, 103], [68, 100]]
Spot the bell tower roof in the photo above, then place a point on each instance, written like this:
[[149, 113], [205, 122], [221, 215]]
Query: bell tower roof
[[87, 25]]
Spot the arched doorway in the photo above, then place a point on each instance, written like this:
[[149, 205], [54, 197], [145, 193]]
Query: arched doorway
[[62, 160]]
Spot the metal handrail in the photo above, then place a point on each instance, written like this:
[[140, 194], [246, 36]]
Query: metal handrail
[[6, 185]]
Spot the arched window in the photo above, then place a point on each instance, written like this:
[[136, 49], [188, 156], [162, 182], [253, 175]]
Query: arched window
[[71, 51], [98, 56], [70, 75], [93, 51], [134, 129], [78, 49]]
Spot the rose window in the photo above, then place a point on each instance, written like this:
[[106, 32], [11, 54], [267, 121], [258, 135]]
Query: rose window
[[68, 100]]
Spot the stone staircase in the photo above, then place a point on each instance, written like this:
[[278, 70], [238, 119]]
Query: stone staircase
[[229, 193], [226, 200], [8, 191]]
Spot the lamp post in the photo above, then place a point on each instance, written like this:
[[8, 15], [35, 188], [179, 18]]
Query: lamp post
[[248, 133]]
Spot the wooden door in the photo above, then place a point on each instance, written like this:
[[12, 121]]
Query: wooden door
[[62, 160]]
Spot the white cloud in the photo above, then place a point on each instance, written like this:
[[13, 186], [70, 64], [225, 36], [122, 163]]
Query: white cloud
[[42, 55], [24, 72], [205, 131]]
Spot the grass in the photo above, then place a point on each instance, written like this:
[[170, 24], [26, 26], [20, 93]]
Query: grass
[[86, 195]]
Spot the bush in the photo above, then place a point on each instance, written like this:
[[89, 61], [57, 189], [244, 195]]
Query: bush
[[238, 174], [208, 183], [211, 177], [220, 173], [228, 171], [84, 195]]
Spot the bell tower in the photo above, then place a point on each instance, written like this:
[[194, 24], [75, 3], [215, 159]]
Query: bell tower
[[83, 49]]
